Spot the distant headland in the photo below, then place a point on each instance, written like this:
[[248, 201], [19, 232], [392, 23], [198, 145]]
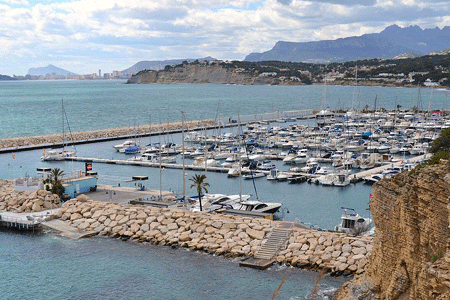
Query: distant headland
[[429, 71]]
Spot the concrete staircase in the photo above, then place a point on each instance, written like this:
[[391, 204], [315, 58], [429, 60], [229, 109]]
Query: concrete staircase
[[275, 241]]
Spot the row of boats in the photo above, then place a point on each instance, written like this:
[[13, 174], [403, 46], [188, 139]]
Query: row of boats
[[353, 142]]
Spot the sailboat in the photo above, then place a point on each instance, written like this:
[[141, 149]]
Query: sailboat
[[57, 155]]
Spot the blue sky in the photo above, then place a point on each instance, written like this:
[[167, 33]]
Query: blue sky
[[84, 36]]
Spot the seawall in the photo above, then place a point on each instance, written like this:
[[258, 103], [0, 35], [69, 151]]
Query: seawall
[[231, 236], [91, 136]]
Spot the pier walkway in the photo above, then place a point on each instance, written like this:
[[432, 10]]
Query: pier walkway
[[24, 221], [174, 166], [19, 223], [151, 164]]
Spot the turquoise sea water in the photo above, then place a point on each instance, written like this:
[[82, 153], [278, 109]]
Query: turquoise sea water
[[51, 267], [46, 267], [34, 107]]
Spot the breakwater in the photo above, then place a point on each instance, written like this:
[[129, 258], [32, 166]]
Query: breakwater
[[81, 137], [231, 236], [25, 201]]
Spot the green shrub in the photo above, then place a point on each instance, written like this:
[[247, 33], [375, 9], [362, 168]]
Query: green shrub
[[436, 256]]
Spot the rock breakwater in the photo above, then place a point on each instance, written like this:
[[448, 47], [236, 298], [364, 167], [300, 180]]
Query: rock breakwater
[[231, 236], [100, 134], [26, 202]]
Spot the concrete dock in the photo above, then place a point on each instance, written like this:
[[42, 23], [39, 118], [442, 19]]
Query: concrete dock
[[66, 230], [18, 223]]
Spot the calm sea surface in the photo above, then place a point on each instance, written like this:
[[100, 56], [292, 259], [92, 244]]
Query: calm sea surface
[[34, 107], [50, 267]]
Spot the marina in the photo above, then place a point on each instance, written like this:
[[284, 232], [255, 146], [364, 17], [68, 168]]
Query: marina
[[310, 205]]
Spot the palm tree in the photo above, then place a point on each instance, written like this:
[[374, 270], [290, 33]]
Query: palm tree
[[198, 181], [56, 182], [57, 173]]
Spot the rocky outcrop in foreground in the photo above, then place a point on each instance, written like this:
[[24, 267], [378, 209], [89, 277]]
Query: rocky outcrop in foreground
[[411, 256], [27, 202], [101, 133], [230, 236]]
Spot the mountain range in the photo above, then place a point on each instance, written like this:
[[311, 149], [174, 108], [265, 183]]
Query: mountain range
[[392, 41]]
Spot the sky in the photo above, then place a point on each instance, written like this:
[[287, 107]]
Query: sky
[[83, 36]]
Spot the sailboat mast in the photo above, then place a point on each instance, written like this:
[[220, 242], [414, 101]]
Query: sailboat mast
[[160, 166], [62, 120], [183, 152], [239, 161]]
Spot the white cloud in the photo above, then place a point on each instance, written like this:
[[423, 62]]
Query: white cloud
[[128, 31], [15, 2]]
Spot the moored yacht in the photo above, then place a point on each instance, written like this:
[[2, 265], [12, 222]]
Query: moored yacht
[[353, 223], [258, 206]]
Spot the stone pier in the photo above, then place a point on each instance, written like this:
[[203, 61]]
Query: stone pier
[[231, 236]]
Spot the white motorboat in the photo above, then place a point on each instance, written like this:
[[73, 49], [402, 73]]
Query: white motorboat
[[353, 223], [221, 155], [132, 149], [325, 180], [124, 145], [252, 175], [373, 178], [289, 158], [302, 157], [341, 180], [233, 172], [258, 206], [212, 202], [323, 171], [389, 172], [201, 161], [266, 165]]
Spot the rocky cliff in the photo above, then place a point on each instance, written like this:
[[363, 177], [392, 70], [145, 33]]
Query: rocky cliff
[[411, 256], [202, 73]]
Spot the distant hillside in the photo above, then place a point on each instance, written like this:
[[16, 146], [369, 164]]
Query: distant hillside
[[219, 72], [426, 70], [50, 69], [392, 41], [6, 77], [160, 64]]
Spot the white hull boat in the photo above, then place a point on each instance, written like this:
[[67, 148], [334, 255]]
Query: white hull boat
[[353, 223]]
